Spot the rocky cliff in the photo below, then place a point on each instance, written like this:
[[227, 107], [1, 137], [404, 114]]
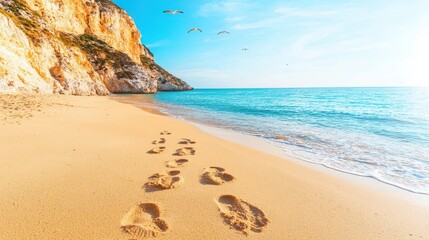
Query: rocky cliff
[[79, 47]]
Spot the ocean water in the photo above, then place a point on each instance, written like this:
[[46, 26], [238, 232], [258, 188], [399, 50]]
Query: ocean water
[[381, 133]]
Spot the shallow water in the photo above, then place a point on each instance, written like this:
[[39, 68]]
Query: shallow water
[[376, 132]]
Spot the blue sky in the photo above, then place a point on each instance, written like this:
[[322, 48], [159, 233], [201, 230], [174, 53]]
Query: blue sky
[[305, 43]]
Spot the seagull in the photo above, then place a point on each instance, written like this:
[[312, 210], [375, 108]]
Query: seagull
[[245, 49], [222, 32], [194, 29], [172, 12]]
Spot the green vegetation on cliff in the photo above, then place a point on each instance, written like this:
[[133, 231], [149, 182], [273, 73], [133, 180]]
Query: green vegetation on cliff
[[107, 3], [100, 53], [24, 18]]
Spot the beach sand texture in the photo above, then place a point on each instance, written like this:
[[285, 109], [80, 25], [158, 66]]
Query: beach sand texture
[[93, 168]]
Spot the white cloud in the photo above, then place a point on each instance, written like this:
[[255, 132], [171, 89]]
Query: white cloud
[[296, 12], [306, 46], [234, 19], [281, 15], [262, 23], [223, 7]]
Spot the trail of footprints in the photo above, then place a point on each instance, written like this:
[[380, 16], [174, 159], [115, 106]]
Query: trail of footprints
[[144, 220], [161, 181], [241, 215], [176, 163], [216, 176]]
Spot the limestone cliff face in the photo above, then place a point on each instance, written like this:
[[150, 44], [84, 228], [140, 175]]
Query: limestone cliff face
[[80, 47]]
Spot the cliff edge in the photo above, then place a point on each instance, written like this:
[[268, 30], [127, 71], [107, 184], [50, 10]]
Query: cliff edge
[[84, 47]]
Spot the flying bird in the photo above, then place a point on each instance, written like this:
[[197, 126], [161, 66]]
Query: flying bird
[[194, 29], [172, 12], [245, 49], [222, 32]]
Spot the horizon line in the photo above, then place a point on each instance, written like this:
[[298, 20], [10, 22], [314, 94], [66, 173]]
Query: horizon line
[[209, 88]]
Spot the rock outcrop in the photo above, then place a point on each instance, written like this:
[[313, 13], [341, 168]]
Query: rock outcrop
[[79, 47]]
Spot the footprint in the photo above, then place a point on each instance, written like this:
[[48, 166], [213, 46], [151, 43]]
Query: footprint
[[165, 133], [162, 181], [176, 163], [215, 176], [143, 221], [186, 141], [156, 150], [160, 141], [241, 215], [185, 151]]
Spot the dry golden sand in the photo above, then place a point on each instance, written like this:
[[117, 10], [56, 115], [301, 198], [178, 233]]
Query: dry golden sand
[[78, 167]]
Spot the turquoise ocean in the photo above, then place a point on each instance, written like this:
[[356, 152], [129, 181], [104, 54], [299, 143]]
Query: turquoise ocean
[[382, 133]]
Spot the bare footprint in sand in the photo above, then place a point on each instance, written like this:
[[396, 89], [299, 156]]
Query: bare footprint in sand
[[185, 151], [241, 215], [215, 176], [156, 150], [186, 141], [160, 141], [176, 163], [144, 221], [162, 181], [165, 133]]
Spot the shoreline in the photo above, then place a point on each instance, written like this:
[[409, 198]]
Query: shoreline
[[269, 147], [81, 168], [266, 146]]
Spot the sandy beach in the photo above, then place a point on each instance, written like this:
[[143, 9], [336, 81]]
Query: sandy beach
[[95, 168]]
